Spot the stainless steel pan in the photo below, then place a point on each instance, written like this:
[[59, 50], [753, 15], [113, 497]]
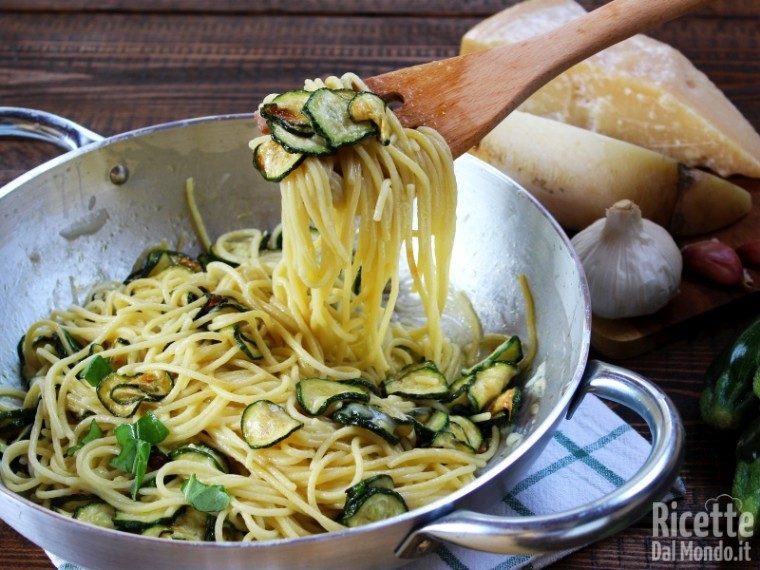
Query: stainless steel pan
[[87, 215]]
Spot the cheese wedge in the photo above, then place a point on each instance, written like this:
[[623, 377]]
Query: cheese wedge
[[577, 174], [641, 90]]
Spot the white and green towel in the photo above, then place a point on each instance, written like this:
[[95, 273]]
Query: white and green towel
[[588, 457]]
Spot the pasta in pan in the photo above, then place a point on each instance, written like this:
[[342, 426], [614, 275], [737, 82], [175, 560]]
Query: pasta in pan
[[182, 403]]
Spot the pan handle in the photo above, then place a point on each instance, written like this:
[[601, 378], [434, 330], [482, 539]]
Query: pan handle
[[41, 125], [583, 525]]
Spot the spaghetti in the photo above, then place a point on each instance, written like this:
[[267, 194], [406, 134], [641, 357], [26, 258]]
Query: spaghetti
[[320, 306]]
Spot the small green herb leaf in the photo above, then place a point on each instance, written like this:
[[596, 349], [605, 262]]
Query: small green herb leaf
[[94, 432], [136, 441], [205, 498], [149, 428], [97, 369]]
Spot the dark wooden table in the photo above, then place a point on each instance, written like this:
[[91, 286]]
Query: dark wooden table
[[117, 65]]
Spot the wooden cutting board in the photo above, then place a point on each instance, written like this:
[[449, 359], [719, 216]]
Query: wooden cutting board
[[697, 297]]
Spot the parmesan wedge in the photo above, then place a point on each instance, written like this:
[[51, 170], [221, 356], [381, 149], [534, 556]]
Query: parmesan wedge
[[577, 174], [641, 90]]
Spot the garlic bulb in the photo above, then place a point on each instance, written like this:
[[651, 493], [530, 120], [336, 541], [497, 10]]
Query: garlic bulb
[[632, 265]]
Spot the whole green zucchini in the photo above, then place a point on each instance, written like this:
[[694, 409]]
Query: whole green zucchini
[[746, 494], [732, 382]]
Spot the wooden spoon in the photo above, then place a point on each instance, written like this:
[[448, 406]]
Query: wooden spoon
[[464, 97]]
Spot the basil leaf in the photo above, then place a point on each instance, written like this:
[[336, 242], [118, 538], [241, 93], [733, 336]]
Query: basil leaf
[[93, 432], [136, 441], [126, 458], [97, 369], [205, 498], [142, 453], [149, 428]]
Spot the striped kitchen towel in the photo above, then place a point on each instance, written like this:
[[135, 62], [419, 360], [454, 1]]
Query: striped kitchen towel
[[588, 457]]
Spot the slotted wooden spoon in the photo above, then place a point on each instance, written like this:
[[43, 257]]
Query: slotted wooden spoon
[[464, 97]]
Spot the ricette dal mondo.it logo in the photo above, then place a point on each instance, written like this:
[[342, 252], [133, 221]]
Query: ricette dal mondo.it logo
[[720, 533]]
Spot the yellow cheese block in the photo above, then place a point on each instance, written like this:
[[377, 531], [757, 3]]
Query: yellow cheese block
[[577, 174], [641, 90]]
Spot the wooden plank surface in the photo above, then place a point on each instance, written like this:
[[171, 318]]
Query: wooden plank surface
[[115, 66], [433, 8]]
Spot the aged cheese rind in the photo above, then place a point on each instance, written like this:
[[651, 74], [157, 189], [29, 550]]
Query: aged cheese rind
[[577, 174], [641, 90]]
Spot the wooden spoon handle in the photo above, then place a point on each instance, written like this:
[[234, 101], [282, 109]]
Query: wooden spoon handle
[[464, 97]]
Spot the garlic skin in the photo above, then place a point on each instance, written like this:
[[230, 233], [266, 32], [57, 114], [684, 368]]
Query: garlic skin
[[632, 265]]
